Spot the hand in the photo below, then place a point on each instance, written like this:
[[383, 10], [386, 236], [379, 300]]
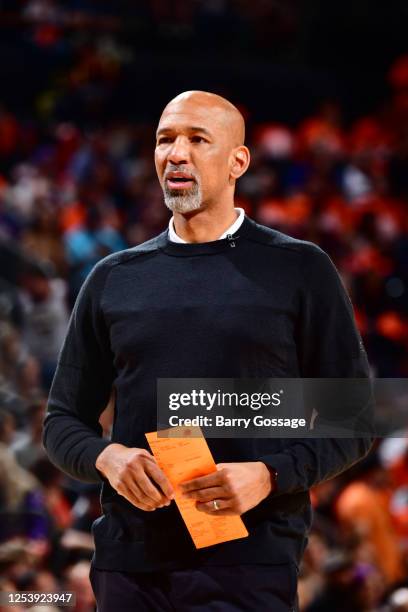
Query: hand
[[237, 487], [134, 474]]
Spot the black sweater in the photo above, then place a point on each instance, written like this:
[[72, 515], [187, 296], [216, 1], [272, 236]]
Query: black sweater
[[265, 305]]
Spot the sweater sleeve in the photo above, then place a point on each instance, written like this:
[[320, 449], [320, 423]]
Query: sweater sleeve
[[81, 386], [329, 346]]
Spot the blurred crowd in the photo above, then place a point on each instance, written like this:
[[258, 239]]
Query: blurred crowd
[[50, 22], [73, 190]]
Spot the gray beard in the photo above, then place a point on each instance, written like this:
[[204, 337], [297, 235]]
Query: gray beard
[[183, 202]]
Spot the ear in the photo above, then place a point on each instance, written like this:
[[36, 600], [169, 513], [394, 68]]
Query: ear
[[240, 159]]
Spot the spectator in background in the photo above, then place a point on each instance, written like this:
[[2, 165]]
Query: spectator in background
[[41, 238], [36, 579], [19, 370], [87, 244], [28, 448], [349, 586], [21, 502], [45, 317], [54, 498], [362, 509], [77, 580], [7, 427]]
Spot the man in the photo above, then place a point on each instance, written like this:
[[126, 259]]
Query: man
[[215, 296]]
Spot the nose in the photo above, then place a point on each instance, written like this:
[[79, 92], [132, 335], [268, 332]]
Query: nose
[[179, 151]]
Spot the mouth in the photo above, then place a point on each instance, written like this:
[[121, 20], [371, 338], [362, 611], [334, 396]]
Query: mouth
[[179, 180]]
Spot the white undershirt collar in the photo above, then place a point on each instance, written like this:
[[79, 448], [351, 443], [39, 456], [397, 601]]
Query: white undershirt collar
[[230, 231]]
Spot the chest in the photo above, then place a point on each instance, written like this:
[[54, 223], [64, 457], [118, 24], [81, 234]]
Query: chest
[[203, 301]]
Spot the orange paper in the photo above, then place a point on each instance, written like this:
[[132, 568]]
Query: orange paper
[[184, 458]]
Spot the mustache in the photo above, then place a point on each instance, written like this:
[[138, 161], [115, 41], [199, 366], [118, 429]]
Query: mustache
[[181, 168]]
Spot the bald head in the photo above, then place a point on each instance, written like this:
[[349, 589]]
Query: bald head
[[223, 112]]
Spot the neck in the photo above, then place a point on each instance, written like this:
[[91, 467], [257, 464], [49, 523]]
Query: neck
[[204, 225]]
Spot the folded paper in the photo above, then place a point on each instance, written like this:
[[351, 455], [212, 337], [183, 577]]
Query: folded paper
[[183, 454]]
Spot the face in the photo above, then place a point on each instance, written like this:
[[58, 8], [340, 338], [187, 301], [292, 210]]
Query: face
[[193, 155]]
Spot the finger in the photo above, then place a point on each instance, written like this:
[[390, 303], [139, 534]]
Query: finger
[[209, 508], [205, 495], [133, 496], [159, 477], [203, 482], [226, 512], [150, 493], [137, 487], [146, 454]]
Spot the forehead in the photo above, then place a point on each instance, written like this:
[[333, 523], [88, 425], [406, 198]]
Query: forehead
[[185, 115]]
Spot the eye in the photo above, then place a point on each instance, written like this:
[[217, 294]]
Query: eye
[[163, 140], [198, 139]]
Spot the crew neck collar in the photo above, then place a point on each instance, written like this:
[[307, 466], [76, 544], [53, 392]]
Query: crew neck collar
[[234, 227], [191, 249]]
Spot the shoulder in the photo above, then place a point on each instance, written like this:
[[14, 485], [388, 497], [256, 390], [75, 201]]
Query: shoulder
[[122, 257], [311, 262], [275, 239], [96, 279]]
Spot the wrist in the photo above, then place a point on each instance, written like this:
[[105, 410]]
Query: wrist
[[104, 459], [273, 475]]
